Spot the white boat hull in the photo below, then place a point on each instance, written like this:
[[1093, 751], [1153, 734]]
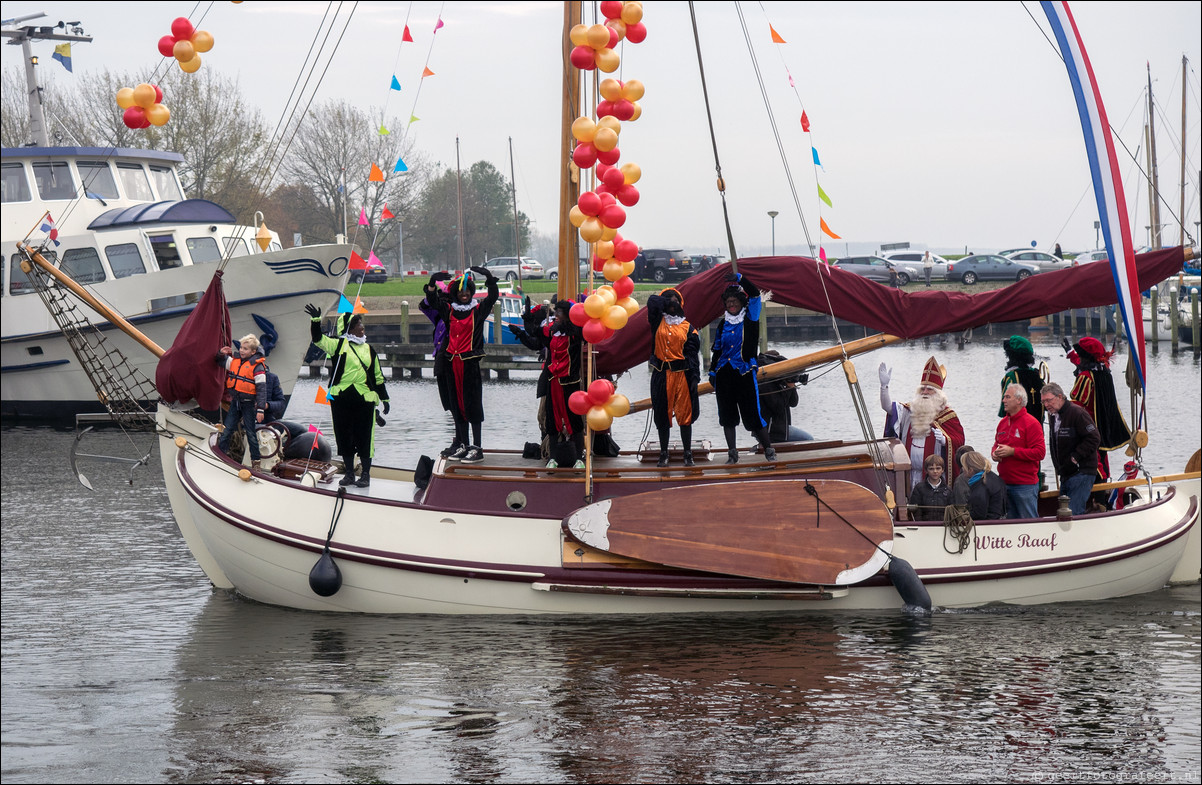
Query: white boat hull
[[261, 537]]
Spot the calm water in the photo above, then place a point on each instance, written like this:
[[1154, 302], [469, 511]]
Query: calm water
[[121, 664]]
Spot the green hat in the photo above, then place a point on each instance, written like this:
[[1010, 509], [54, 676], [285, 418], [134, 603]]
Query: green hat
[[1017, 343]]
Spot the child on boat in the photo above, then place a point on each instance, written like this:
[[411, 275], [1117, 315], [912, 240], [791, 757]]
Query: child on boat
[[246, 383], [930, 496]]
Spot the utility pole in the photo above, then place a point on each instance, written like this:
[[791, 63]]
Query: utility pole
[[39, 136]]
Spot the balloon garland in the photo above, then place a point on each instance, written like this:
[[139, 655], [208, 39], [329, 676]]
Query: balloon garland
[[143, 104], [185, 44]]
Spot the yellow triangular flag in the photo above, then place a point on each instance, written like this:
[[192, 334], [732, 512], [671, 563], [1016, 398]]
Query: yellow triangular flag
[[776, 39], [822, 195], [413, 118], [383, 131], [827, 229], [322, 398], [263, 237], [376, 175], [359, 306]]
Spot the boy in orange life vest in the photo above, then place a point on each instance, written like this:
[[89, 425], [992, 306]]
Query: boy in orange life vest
[[463, 349], [675, 370], [246, 382]]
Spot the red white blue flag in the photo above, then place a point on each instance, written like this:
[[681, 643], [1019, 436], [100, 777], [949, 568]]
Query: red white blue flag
[[50, 229], [1107, 179]]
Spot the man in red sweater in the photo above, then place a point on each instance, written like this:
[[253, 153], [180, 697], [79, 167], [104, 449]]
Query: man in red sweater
[[1018, 448]]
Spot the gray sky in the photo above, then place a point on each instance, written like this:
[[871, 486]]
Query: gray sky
[[949, 125]]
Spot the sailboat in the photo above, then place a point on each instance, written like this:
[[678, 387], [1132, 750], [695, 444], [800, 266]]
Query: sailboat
[[816, 527]]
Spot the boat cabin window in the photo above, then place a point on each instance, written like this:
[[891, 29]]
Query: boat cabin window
[[134, 182], [125, 259], [54, 180], [166, 252], [203, 249], [18, 281], [165, 184], [83, 264], [97, 179], [235, 246], [15, 184]]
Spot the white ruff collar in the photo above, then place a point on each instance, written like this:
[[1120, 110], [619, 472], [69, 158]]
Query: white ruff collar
[[736, 319], [464, 308], [359, 339], [673, 319]]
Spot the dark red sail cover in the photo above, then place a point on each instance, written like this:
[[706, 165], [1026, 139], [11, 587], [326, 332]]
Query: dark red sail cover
[[187, 370], [807, 283]]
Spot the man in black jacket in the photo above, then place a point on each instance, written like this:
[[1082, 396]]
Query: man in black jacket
[[1074, 443]]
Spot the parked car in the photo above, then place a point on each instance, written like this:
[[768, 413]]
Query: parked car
[[1043, 260], [988, 267], [874, 268], [662, 264], [702, 262], [372, 274], [1100, 255], [553, 273], [1008, 251], [914, 259], [506, 268]]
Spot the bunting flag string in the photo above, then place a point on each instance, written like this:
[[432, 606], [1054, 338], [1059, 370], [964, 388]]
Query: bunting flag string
[[425, 71], [395, 86]]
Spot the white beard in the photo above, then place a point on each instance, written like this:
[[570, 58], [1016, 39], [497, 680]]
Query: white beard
[[923, 410]]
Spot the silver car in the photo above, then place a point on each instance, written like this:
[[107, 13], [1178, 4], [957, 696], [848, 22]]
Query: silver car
[[914, 259], [1044, 261], [506, 268], [988, 267], [874, 268]]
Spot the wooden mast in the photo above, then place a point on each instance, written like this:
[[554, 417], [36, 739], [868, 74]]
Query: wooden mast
[[569, 174], [1154, 182], [1181, 214]]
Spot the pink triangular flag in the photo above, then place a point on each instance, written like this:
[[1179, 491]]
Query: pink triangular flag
[[372, 261], [438, 26], [314, 428], [363, 214]]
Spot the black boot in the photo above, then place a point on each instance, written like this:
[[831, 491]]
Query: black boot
[[688, 457], [663, 459], [348, 463], [686, 437], [365, 474], [732, 456]]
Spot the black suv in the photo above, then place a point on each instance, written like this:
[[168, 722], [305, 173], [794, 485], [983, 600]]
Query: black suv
[[661, 265], [703, 262]]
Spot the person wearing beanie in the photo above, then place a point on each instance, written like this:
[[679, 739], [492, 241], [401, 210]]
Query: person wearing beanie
[[733, 366], [1020, 369]]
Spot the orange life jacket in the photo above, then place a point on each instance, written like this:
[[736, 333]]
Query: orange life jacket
[[241, 376]]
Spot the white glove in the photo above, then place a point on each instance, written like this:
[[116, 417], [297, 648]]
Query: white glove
[[885, 374]]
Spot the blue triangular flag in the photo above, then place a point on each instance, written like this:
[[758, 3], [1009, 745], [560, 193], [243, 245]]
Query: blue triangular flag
[[816, 161], [400, 166], [395, 84], [344, 305]]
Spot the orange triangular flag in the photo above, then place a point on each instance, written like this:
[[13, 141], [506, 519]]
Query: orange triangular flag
[[805, 121], [406, 36], [827, 229], [427, 72], [776, 39], [376, 175], [359, 306], [322, 398]]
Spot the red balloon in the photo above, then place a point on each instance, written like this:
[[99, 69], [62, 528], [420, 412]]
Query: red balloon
[[627, 195], [611, 157], [602, 169], [611, 9], [590, 203], [605, 108], [613, 38], [135, 117], [623, 110], [585, 155], [577, 315], [623, 287], [158, 96], [603, 189], [598, 263], [613, 216], [182, 29], [600, 391], [578, 402], [594, 332], [167, 46], [626, 250], [612, 176], [636, 33], [582, 58]]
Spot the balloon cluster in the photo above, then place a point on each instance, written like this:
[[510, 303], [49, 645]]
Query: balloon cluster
[[605, 310], [143, 106], [594, 44], [621, 99], [185, 44], [600, 404]]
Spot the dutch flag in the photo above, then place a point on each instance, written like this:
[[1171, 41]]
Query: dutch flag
[[50, 229]]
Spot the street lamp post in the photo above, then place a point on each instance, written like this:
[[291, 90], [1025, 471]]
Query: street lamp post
[[1097, 238], [772, 214]]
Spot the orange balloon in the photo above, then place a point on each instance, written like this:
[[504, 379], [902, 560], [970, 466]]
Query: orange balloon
[[579, 35], [610, 122], [583, 129], [125, 97], [202, 40], [604, 249], [591, 230], [632, 13], [158, 114], [605, 140], [598, 37], [630, 304], [608, 232], [632, 172], [607, 293], [612, 270], [576, 216], [608, 60], [633, 90], [599, 419], [145, 96], [595, 305], [610, 89], [192, 66], [628, 268], [183, 51], [618, 405], [615, 318]]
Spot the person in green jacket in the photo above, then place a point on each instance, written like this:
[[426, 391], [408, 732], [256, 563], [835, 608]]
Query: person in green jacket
[[356, 386]]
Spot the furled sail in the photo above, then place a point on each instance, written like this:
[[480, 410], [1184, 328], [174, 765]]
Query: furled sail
[[187, 370]]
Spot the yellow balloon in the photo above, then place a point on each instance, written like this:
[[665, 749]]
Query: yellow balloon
[[608, 233], [630, 305], [598, 36], [610, 122], [618, 405], [583, 129], [618, 26], [192, 66], [595, 305], [184, 51], [576, 216], [608, 60], [632, 172], [599, 419], [615, 318], [579, 35], [145, 96], [591, 230], [604, 249], [202, 40], [633, 90], [610, 89], [158, 114], [125, 97], [638, 112], [628, 268], [605, 140], [607, 293], [632, 13], [612, 270]]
